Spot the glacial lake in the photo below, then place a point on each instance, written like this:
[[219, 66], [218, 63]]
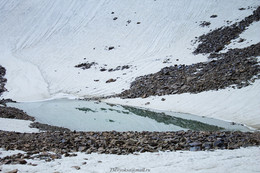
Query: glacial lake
[[83, 115]]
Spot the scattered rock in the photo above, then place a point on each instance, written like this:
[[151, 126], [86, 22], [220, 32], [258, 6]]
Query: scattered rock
[[163, 99], [13, 171], [111, 48], [147, 103], [124, 67], [241, 40], [110, 80], [21, 161], [76, 167], [103, 69], [115, 18], [204, 23], [213, 16], [85, 66], [138, 23]]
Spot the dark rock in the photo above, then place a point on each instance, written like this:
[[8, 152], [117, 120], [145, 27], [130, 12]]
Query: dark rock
[[119, 68], [147, 103], [110, 80], [115, 18], [213, 16], [111, 48], [103, 69], [13, 171], [204, 23], [218, 143], [85, 66], [21, 161], [76, 167], [241, 40], [207, 145], [82, 149]]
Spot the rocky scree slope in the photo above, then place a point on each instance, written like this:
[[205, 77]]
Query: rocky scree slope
[[236, 68]]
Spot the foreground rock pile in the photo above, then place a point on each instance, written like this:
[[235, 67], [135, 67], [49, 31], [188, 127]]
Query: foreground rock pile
[[122, 142], [236, 68]]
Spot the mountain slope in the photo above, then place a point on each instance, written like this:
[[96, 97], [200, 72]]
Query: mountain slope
[[43, 41]]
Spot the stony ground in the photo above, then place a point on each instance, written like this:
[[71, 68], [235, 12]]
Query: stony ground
[[62, 143]]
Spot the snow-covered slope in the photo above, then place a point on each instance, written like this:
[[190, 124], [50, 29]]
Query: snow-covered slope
[[243, 160], [42, 41], [17, 125]]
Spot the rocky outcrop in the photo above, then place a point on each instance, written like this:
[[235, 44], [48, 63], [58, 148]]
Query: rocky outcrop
[[2, 80]]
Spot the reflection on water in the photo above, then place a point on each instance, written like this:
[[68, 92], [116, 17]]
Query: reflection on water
[[167, 119], [98, 116]]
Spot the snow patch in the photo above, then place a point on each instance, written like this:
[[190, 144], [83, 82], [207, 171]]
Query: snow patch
[[15, 125]]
